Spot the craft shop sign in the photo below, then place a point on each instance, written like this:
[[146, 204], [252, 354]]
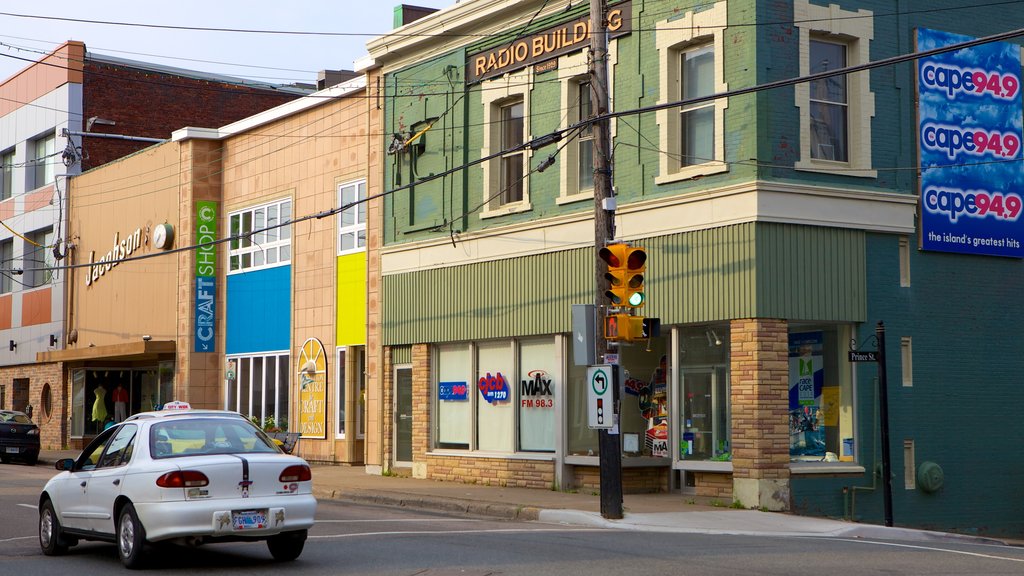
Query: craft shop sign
[[544, 45]]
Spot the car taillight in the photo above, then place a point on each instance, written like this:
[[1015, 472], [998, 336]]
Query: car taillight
[[296, 473], [182, 479], [33, 432]]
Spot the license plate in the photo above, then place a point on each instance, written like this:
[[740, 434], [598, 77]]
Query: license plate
[[249, 519], [12, 450]]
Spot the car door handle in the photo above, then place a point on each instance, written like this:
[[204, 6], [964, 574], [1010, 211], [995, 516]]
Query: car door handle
[[117, 482], [84, 483]]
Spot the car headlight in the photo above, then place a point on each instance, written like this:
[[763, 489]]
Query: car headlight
[[33, 432]]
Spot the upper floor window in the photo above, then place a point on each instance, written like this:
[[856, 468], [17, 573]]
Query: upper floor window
[[352, 218], [585, 141], [697, 121], [7, 179], [828, 103], [691, 65], [835, 112], [506, 105], [38, 259], [261, 237], [6, 265], [44, 158], [511, 179]]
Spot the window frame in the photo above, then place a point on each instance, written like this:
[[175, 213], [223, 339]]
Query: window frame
[[278, 380], [7, 174], [828, 103], [339, 393], [676, 38], [7, 265], [246, 242], [359, 221], [38, 271], [496, 94], [854, 30], [43, 172]]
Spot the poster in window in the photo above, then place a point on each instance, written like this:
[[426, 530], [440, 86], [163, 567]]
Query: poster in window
[[312, 377], [806, 381]]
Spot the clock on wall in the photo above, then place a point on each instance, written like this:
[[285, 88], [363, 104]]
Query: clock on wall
[[163, 236]]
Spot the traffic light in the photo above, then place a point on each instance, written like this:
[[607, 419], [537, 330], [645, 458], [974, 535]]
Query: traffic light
[[626, 267], [627, 328]]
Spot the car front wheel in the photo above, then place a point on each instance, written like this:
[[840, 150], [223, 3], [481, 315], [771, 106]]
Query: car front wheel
[[287, 546], [51, 540], [131, 537]]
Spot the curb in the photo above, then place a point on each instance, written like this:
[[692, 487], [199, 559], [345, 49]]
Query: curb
[[432, 504]]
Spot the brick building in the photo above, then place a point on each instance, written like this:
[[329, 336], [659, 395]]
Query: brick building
[[71, 111]]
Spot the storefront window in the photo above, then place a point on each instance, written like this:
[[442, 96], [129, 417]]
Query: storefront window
[[453, 395], [820, 394], [260, 389], [643, 406], [705, 411], [513, 407], [78, 403], [104, 395]]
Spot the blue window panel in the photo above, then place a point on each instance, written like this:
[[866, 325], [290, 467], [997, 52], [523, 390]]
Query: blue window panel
[[259, 310]]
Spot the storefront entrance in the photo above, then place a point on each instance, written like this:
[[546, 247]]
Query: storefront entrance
[[109, 394]]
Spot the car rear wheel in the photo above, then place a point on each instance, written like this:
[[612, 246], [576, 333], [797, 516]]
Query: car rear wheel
[[51, 538], [131, 538], [32, 460], [5, 459], [287, 546]]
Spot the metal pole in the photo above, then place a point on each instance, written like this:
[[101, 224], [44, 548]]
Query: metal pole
[[883, 410], [609, 441]]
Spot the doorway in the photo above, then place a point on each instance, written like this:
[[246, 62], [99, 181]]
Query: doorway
[[704, 422], [403, 416]]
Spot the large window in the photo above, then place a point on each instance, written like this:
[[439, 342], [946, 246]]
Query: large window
[[7, 176], [505, 103], [44, 160], [828, 103], [697, 121], [261, 237], [6, 265], [352, 218], [39, 259], [511, 172], [820, 394], [260, 389], [339, 426], [585, 141], [836, 112], [691, 137], [489, 401]]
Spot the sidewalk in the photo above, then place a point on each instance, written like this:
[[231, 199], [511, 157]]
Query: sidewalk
[[645, 512]]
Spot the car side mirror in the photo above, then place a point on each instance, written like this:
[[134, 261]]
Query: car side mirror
[[65, 464]]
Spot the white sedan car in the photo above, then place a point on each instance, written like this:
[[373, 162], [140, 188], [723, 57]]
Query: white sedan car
[[192, 476]]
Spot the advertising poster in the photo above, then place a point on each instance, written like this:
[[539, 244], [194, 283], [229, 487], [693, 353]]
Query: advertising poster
[[205, 276], [312, 376], [969, 135], [806, 381]]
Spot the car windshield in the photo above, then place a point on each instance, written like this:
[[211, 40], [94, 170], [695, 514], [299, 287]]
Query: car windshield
[[197, 436], [16, 417]]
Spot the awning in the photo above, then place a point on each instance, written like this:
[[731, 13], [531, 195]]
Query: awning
[[128, 351]]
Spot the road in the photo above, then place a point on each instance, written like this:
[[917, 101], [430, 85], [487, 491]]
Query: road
[[356, 540]]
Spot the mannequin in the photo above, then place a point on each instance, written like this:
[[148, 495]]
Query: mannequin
[[99, 407], [120, 397]]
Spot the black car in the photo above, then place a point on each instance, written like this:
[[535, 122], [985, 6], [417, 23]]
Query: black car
[[19, 437]]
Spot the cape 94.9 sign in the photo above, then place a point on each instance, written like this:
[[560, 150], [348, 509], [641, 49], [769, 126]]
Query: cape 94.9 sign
[[969, 132]]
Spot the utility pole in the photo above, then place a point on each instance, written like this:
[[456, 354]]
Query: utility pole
[[609, 441]]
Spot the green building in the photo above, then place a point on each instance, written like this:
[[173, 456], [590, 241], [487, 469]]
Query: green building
[[781, 223]]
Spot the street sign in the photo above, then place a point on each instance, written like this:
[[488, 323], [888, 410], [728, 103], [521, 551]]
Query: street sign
[[863, 356], [600, 396]]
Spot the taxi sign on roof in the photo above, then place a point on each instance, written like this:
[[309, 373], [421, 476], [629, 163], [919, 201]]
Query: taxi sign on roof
[[177, 405]]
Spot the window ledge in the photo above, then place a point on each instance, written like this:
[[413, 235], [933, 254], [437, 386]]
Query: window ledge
[[704, 465], [816, 468], [570, 198], [627, 461], [690, 172], [837, 168], [543, 456], [506, 210]]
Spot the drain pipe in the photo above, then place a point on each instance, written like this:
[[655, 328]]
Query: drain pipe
[[852, 490]]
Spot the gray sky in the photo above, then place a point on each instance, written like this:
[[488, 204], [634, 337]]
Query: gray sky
[[290, 58]]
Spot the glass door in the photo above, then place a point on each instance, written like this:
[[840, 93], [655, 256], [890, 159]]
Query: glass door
[[403, 415], [704, 423]]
